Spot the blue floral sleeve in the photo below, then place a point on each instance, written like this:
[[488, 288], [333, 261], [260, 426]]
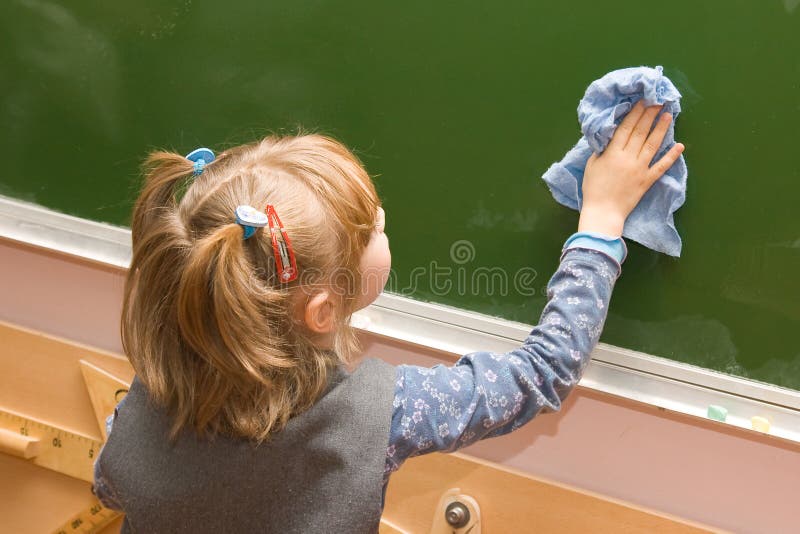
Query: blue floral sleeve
[[444, 408]]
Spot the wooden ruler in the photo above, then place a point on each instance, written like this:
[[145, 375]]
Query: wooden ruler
[[93, 519], [67, 452], [48, 446]]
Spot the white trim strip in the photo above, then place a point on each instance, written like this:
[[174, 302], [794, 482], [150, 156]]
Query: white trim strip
[[625, 373], [41, 227]]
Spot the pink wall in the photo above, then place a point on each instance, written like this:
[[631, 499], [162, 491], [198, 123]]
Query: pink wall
[[61, 296], [677, 464]]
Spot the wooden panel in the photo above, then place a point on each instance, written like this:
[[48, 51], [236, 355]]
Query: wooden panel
[[35, 500], [40, 377], [512, 502]]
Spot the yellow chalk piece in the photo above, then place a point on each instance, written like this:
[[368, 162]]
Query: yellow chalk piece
[[760, 424]]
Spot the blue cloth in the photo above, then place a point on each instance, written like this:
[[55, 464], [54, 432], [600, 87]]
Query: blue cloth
[[602, 108]]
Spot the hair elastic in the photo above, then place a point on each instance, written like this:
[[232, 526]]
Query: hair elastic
[[201, 157], [250, 219]]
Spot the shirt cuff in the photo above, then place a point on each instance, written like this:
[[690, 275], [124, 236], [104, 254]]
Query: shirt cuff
[[614, 247]]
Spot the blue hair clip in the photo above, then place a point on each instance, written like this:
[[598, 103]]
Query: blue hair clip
[[201, 157], [250, 219]]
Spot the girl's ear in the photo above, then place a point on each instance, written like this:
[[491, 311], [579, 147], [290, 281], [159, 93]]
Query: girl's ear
[[319, 313]]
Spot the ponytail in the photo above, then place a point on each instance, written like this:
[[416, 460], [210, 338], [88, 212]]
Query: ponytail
[[164, 172], [221, 308]]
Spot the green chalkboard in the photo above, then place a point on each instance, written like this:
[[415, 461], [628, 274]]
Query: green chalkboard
[[457, 108]]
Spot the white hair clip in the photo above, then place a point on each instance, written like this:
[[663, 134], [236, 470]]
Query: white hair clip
[[250, 219]]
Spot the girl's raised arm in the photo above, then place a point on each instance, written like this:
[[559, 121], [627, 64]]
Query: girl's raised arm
[[486, 394]]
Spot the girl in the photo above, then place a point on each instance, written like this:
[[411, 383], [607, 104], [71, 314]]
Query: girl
[[242, 417]]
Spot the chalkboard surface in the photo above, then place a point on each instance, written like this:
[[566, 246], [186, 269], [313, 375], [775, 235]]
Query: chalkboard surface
[[457, 108]]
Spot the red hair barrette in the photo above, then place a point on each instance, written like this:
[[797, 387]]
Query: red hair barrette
[[281, 247]]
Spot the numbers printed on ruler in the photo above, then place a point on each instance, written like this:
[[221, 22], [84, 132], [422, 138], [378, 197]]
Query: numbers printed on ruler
[[66, 452], [91, 519]]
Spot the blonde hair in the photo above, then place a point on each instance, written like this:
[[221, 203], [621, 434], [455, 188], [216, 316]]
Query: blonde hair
[[206, 323]]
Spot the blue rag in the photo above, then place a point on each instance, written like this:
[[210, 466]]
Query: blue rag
[[602, 108]]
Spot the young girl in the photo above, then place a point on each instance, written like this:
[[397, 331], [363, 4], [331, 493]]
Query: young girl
[[245, 272]]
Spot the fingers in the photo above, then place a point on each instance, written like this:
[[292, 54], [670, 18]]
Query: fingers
[[656, 137], [642, 129], [661, 166], [625, 128]]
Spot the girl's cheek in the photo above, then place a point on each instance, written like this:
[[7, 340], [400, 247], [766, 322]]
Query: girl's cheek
[[375, 267]]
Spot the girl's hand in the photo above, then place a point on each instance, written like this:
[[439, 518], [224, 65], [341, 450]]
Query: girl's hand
[[615, 181]]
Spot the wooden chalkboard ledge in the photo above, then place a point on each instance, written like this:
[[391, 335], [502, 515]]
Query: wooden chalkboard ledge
[[644, 378]]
